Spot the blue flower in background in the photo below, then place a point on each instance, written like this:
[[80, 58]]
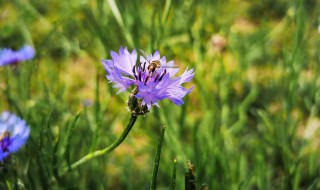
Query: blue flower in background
[[153, 77], [14, 133], [8, 56]]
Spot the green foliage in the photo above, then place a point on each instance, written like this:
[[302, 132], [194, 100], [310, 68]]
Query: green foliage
[[251, 122]]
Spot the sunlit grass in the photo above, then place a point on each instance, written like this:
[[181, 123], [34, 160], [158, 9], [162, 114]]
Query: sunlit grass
[[252, 121]]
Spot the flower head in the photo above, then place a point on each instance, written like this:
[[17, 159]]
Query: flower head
[[153, 78], [14, 133], [8, 56]]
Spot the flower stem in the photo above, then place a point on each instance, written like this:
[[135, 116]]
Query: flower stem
[[157, 160], [173, 180], [190, 179], [110, 148]]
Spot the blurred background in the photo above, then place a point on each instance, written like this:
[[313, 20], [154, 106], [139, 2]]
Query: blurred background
[[252, 121]]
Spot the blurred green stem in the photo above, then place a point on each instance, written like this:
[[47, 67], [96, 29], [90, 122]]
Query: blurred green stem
[[8, 184], [157, 160], [173, 180], [110, 148], [166, 12], [117, 15]]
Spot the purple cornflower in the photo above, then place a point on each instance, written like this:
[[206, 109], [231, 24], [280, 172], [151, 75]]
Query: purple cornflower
[[153, 78], [8, 56], [14, 133]]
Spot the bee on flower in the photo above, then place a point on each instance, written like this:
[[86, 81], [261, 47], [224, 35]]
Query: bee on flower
[[153, 78]]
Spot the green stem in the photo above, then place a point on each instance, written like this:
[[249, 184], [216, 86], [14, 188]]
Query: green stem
[[157, 160], [173, 180], [8, 184], [97, 153]]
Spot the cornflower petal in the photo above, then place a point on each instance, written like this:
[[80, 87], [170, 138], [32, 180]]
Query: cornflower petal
[[3, 154], [119, 69], [26, 52], [187, 76], [121, 82], [14, 133], [150, 94], [8, 56], [124, 61]]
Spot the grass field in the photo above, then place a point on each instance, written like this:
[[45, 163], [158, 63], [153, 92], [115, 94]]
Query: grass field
[[251, 122]]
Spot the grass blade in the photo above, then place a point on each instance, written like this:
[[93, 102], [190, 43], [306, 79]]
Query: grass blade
[[70, 131], [173, 180], [119, 19], [190, 179], [157, 160]]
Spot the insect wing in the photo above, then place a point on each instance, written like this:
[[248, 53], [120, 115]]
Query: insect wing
[[144, 55], [171, 67]]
